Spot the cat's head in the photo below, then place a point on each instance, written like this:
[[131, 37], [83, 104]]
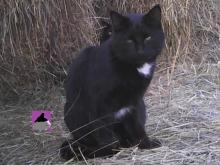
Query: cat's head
[[137, 38]]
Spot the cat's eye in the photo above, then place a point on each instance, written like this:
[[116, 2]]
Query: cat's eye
[[129, 41], [147, 38]]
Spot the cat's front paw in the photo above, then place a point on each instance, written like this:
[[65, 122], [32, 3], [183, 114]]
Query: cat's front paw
[[65, 151], [149, 143]]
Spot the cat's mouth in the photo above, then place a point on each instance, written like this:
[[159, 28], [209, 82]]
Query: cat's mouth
[[136, 62], [139, 60]]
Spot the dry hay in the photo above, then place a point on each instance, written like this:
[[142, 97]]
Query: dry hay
[[183, 100], [38, 38], [184, 113]]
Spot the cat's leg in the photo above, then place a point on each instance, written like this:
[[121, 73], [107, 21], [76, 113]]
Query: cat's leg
[[142, 117], [123, 136], [70, 149], [107, 142], [99, 143], [135, 130]]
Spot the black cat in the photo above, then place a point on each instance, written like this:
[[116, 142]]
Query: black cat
[[104, 107]]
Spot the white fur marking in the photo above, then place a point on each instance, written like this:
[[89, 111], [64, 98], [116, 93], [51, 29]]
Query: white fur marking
[[48, 122], [145, 69], [122, 112]]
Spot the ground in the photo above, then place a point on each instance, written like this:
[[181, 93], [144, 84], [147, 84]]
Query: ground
[[184, 113]]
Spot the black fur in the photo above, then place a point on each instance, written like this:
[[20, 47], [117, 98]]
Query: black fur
[[104, 79]]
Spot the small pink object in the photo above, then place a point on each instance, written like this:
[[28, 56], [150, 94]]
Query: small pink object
[[41, 121]]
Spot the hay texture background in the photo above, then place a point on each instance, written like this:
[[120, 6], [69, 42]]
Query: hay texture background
[[40, 38]]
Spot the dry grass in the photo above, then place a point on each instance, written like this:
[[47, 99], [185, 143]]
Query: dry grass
[[184, 112], [38, 39]]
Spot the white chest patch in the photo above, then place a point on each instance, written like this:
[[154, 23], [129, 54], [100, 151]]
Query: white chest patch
[[145, 69], [122, 112]]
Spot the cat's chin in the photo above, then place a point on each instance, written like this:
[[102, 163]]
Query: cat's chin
[[135, 63]]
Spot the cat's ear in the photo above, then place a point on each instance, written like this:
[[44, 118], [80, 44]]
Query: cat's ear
[[119, 22], [153, 17]]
